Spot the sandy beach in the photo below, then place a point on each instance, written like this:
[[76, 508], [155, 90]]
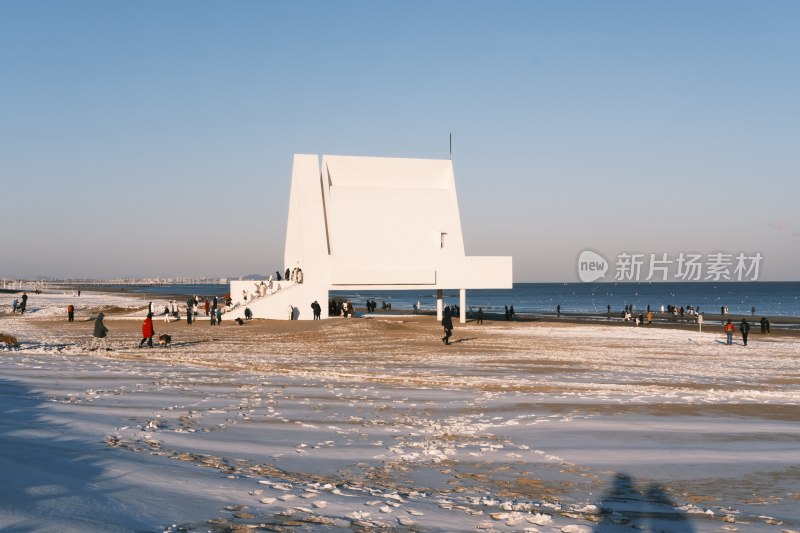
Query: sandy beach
[[372, 423]]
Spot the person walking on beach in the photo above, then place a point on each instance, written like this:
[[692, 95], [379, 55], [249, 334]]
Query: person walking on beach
[[15, 306], [24, 303], [99, 334], [480, 315], [219, 316], [447, 324], [729, 329], [71, 313], [649, 317], [744, 328], [147, 331], [213, 317], [207, 306], [558, 310], [189, 305], [753, 310]]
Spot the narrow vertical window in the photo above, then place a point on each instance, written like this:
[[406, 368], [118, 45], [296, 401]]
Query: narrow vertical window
[[442, 238]]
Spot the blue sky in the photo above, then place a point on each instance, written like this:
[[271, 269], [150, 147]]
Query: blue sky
[[155, 138]]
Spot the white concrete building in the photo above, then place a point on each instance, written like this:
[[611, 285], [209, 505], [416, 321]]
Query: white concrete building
[[412, 241]]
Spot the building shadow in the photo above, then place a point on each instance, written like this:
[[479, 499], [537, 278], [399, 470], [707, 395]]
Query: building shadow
[[650, 509]]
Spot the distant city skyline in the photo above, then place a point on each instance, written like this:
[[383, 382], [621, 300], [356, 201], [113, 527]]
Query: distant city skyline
[[156, 140]]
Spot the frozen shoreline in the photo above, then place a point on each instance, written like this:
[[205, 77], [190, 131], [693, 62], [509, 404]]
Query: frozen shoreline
[[513, 424]]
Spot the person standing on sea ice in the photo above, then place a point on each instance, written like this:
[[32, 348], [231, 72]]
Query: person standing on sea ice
[[744, 327], [729, 329], [100, 333]]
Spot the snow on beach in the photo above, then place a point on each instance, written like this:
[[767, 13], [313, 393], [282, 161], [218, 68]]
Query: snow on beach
[[369, 424]]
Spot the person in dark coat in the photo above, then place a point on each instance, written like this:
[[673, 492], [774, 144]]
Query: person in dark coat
[[189, 305], [100, 333], [24, 304], [147, 331], [248, 314], [447, 324], [744, 328], [317, 310], [480, 315]]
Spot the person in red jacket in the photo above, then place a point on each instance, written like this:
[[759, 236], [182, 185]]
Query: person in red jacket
[[147, 331], [729, 329]]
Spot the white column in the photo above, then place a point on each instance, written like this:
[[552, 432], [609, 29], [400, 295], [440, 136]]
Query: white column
[[462, 306], [439, 306]]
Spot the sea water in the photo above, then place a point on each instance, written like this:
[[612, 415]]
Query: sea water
[[769, 298]]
